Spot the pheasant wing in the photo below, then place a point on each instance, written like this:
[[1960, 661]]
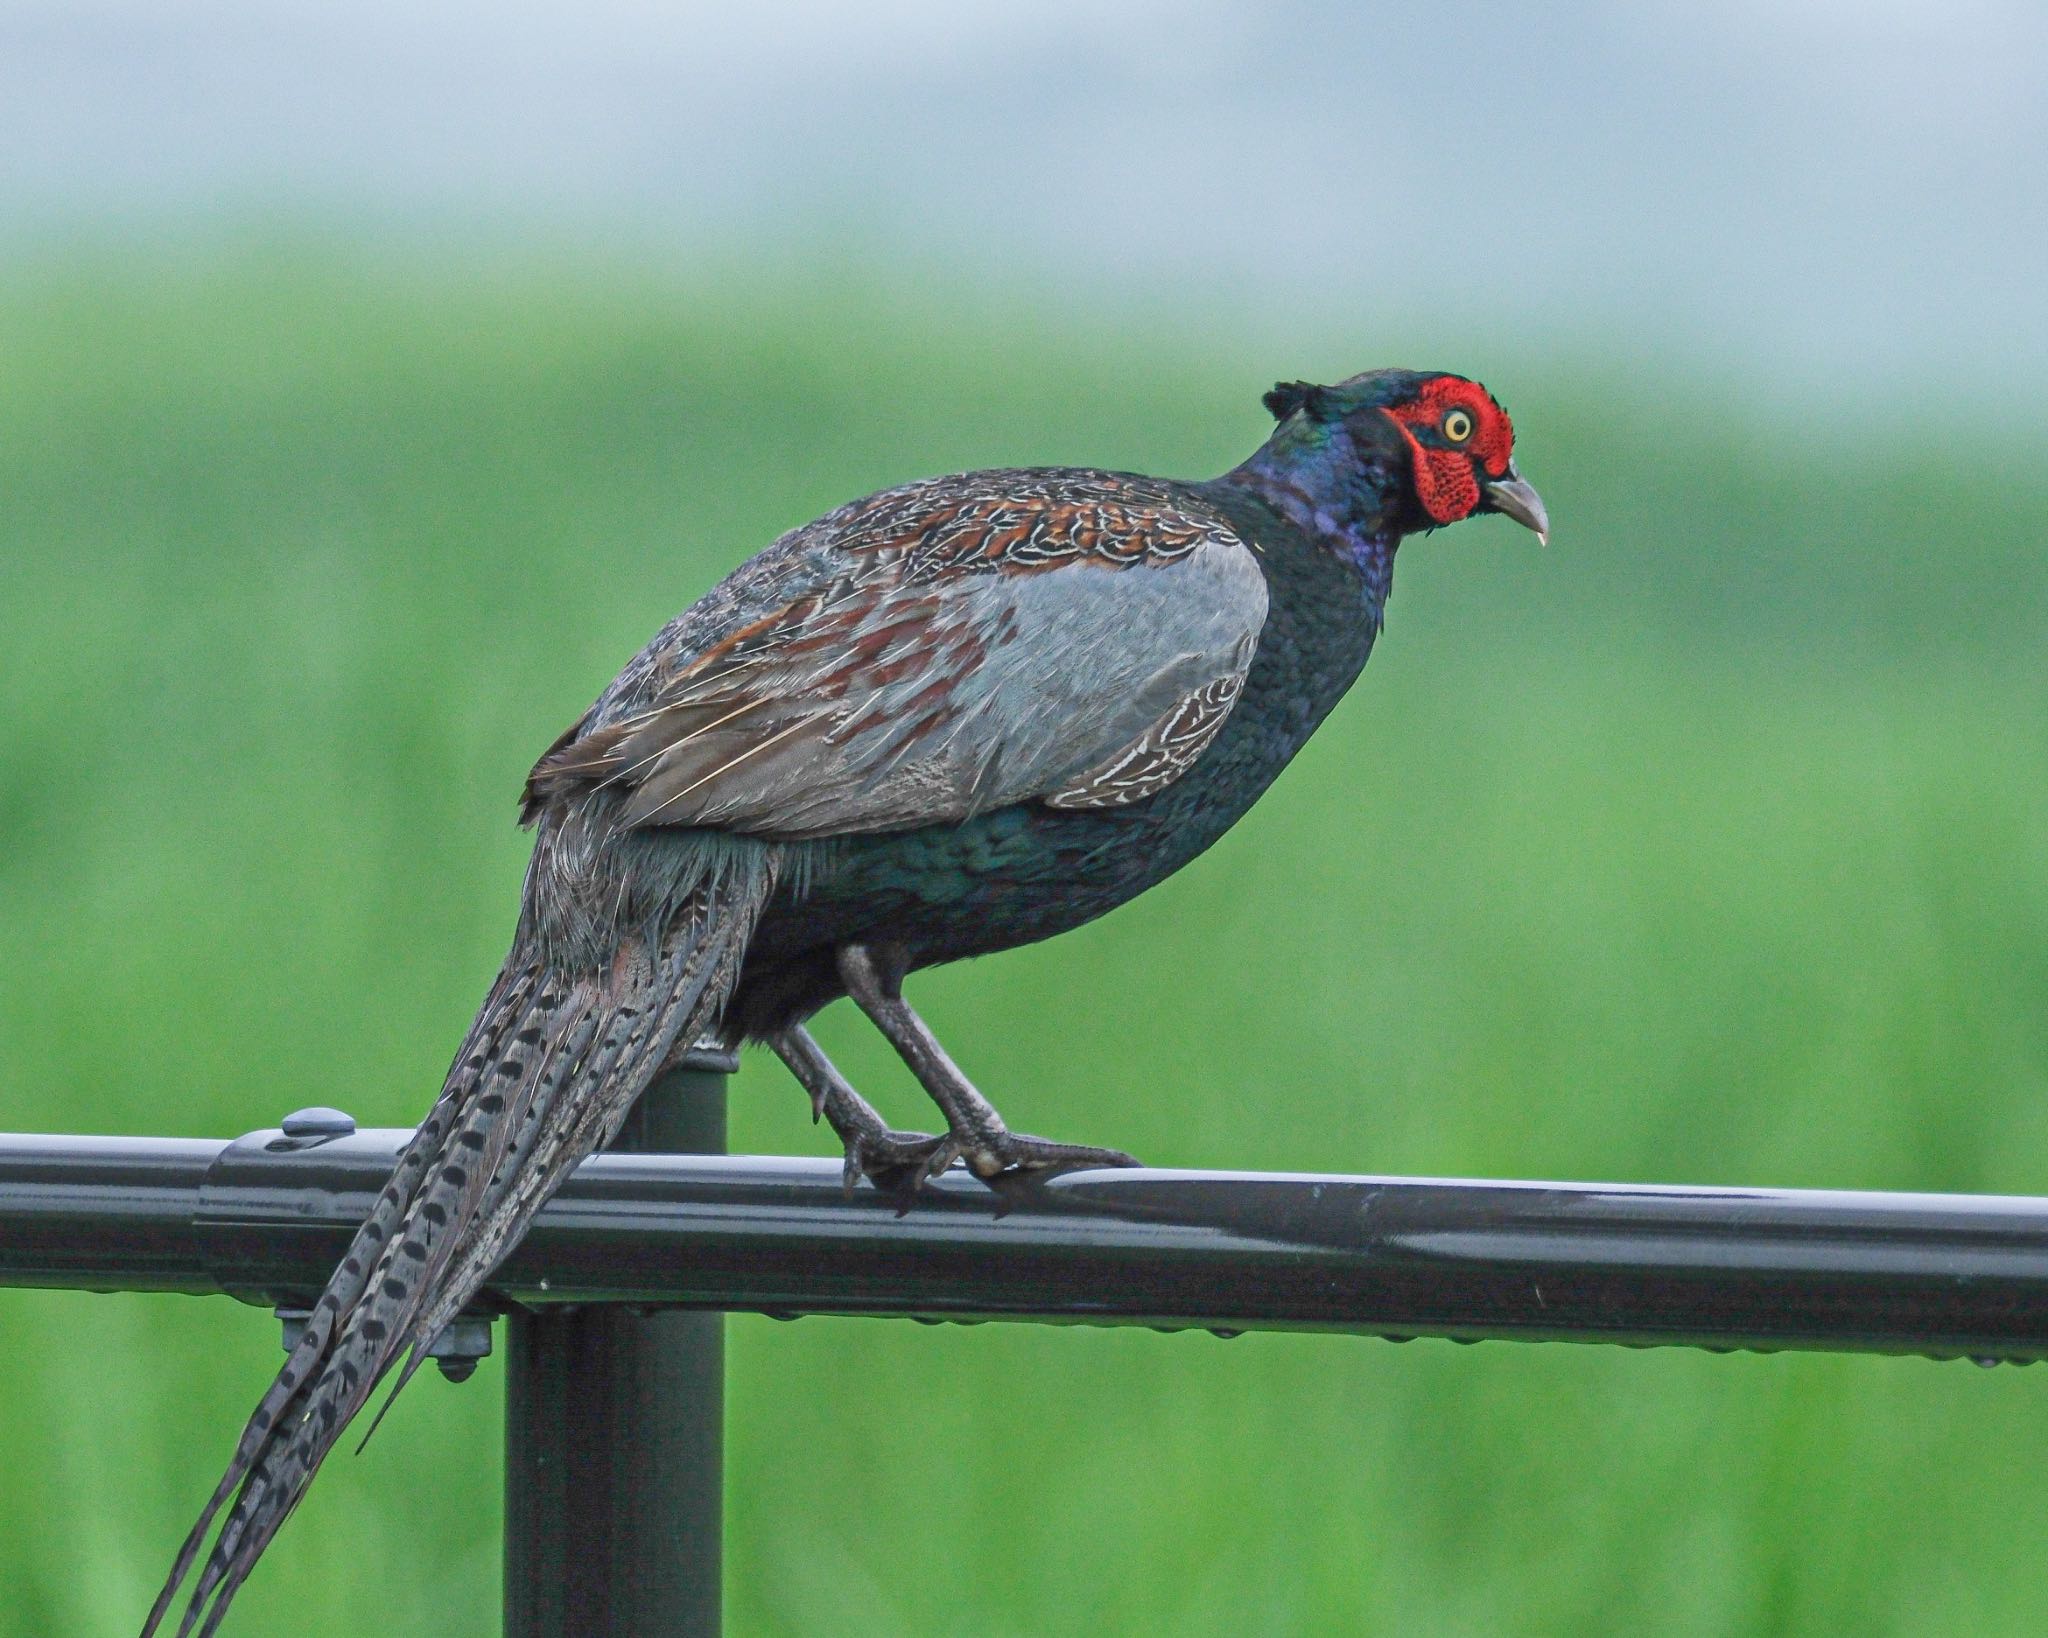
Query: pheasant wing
[[931, 653]]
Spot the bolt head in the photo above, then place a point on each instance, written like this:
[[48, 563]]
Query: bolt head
[[317, 1122]]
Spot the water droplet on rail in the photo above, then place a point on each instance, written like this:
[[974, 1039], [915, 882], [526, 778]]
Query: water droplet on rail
[[1224, 1332]]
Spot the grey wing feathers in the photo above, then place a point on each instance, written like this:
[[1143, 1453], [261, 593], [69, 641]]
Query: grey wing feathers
[[856, 679], [1165, 751]]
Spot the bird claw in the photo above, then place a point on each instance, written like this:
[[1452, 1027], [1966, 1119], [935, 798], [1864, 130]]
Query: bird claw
[[901, 1163], [897, 1163], [1006, 1156]]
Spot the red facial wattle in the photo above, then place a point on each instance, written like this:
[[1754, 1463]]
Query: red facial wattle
[[1446, 482]]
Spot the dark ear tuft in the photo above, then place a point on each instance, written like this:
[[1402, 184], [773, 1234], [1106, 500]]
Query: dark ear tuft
[[1289, 396]]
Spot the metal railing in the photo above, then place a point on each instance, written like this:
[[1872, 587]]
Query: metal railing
[[614, 1398]]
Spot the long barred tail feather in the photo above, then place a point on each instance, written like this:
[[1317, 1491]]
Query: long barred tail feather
[[547, 1074], [542, 1153], [345, 1288]]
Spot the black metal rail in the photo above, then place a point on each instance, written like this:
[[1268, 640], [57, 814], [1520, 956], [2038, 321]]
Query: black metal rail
[[614, 1401], [265, 1216]]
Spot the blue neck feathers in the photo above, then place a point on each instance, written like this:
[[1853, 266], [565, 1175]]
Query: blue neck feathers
[[1342, 497]]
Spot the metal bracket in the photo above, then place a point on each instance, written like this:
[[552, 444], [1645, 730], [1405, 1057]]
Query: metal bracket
[[463, 1342]]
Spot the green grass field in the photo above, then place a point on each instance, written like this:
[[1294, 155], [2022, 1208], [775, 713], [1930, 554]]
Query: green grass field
[[1711, 845]]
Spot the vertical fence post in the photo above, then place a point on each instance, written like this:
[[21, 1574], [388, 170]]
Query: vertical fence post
[[614, 1435]]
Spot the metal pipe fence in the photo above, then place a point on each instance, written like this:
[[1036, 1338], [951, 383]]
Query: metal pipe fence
[[615, 1363]]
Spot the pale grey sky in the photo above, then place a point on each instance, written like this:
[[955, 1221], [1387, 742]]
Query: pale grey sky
[[1819, 185]]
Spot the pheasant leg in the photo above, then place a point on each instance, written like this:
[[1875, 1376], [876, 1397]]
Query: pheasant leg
[[874, 978], [896, 1162]]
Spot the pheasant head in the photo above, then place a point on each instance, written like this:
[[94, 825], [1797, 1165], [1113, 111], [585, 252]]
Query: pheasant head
[[1393, 452]]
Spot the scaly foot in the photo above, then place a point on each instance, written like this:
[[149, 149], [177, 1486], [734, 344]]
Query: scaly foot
[[874, 978], [1002, 1154], [897, 1163]]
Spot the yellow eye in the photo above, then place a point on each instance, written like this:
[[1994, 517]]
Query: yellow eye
[[1457, 426]]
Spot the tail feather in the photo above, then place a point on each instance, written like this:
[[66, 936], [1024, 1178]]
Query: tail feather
[[349, 1321], [343, 1290], [543, 1153], [549, 1070], [708, 969]]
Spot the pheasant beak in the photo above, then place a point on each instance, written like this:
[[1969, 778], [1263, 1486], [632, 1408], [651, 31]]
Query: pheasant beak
[[1514, 497]]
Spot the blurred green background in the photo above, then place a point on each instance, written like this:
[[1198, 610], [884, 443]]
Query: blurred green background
[[1710, 845]]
